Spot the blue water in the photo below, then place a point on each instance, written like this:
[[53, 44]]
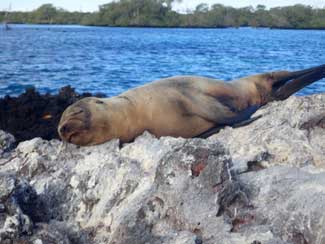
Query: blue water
[[112, 60]]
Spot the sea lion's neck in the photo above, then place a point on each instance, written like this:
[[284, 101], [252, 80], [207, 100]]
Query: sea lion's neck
[[125, 116]]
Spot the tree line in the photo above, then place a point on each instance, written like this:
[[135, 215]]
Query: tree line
[[159, 13]]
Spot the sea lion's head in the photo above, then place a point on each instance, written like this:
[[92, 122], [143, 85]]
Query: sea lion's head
[[85, 122]]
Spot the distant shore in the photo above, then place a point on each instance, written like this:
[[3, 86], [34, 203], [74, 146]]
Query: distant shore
[[172, 27], [160, 14]]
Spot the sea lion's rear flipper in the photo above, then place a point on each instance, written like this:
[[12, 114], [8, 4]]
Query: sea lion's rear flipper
[[290, 82], [216, 129]]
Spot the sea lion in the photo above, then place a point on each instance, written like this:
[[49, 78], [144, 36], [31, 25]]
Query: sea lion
[[181, 106]]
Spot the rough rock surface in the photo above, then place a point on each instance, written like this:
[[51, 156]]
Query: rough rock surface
[[262, 183], [290, 133]]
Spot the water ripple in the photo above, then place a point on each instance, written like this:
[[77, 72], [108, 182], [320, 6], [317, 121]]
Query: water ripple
[[112, 60]]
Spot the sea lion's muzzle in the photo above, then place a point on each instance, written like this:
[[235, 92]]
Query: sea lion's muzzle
[[287, 83], [71, 129]]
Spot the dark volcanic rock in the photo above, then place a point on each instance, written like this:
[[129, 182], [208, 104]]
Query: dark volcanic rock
[[33, 115]]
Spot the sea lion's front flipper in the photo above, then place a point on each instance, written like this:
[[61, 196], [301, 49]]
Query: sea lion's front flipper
[[210, 132], [290, 82], [216, 129]]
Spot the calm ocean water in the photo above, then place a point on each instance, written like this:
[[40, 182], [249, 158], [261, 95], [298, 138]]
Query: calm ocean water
[[112, 60]]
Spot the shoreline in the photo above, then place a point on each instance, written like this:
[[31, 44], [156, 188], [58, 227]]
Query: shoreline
[[169, 27]]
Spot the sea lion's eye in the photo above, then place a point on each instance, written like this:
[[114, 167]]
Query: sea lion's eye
[[99, 102]]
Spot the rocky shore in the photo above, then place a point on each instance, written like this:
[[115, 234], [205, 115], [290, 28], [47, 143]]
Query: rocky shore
[[261, 183]]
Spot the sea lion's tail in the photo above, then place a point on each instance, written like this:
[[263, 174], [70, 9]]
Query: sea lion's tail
[[294, 81]]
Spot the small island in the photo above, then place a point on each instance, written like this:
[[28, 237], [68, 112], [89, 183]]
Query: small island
[[159, 13]]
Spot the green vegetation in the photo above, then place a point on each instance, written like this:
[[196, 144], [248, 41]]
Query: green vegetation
[[159, 13], [45, 14]]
